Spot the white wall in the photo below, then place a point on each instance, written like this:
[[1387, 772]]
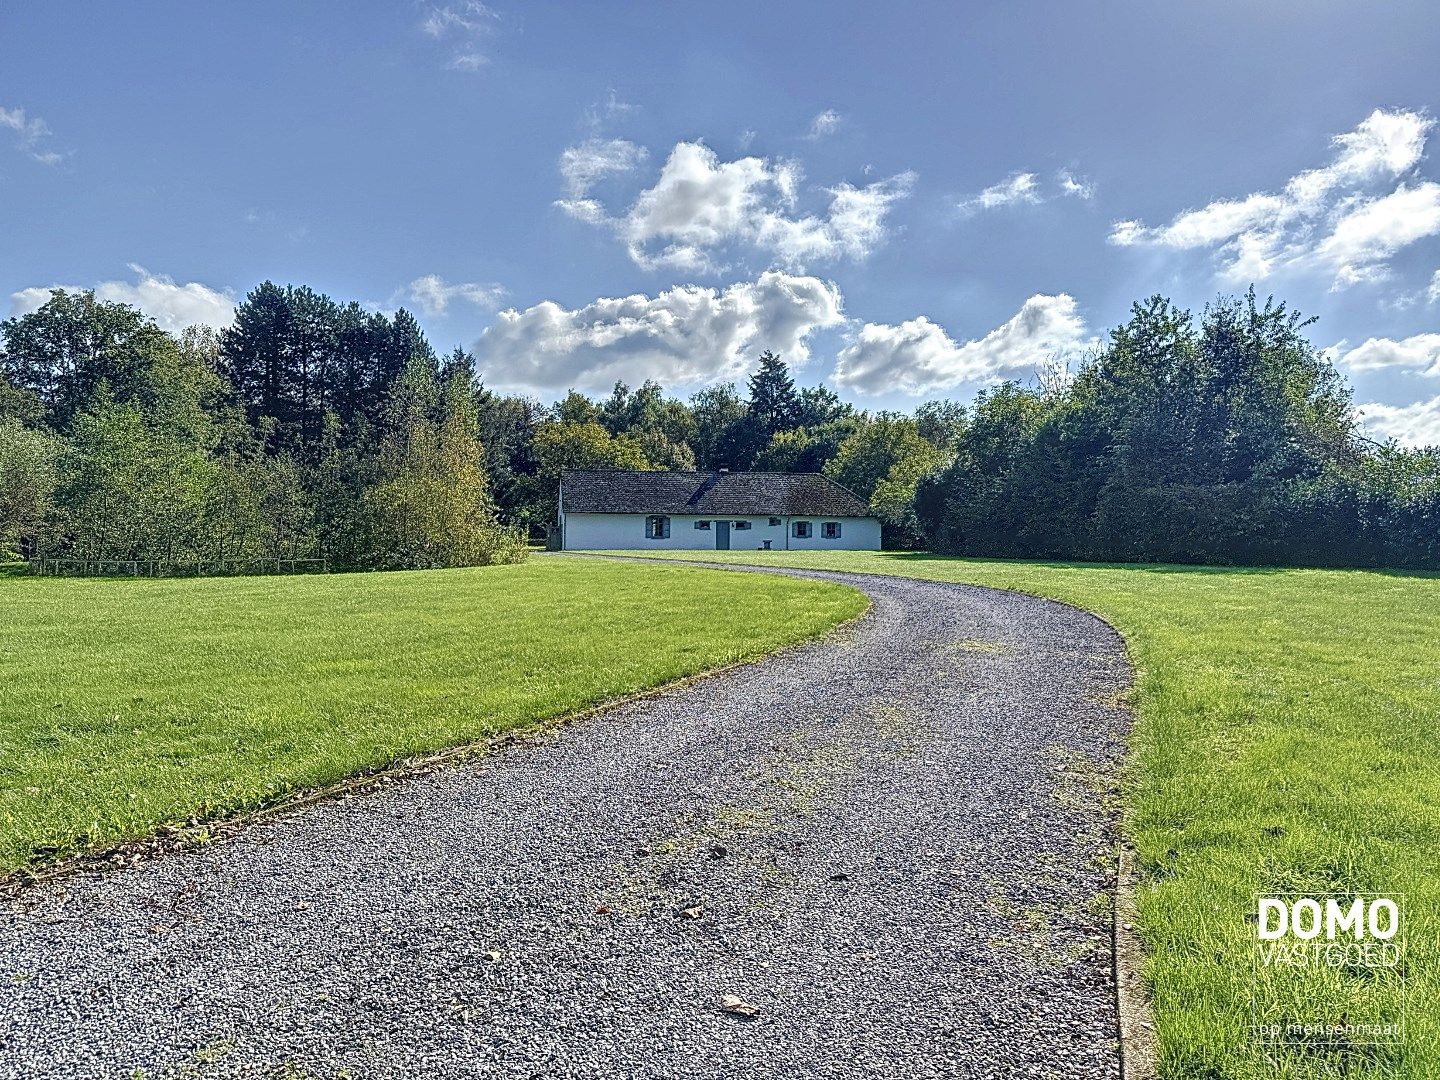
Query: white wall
[[856, 534], [608, 532]]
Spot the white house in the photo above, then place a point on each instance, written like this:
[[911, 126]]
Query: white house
[[719, 511]]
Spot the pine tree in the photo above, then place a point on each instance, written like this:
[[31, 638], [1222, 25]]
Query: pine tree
[[774, 404]]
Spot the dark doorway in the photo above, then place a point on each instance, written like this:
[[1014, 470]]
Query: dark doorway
[[722, 536]]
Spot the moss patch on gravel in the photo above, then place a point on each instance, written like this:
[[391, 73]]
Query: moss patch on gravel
[[125, 705], [1286, 742]]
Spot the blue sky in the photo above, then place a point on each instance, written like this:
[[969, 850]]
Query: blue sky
[[907, 201]]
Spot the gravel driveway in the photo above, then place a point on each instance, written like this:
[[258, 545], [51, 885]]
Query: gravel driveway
[[889, 843]]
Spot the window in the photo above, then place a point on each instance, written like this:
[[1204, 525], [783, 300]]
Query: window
[[774, 522], [830, 530], [802, 530], [657, 527], [742, 524], [702, 525]]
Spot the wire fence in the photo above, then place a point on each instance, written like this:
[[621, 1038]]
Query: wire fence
[[166, 568]]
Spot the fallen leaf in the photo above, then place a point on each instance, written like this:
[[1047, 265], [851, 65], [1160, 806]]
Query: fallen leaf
[[737, 1006]]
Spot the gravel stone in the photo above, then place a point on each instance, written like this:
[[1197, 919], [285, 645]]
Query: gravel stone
[[895, 838]]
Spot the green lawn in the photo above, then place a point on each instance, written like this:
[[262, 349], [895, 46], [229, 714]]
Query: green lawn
[[128, 704], [1286, 741]]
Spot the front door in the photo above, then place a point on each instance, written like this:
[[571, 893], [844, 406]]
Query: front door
[[722, 536]]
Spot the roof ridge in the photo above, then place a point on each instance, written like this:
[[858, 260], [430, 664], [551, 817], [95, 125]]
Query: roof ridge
[[709, 493]]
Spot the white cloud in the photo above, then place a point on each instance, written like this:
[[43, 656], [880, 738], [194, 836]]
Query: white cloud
[[585, 164], [172, 306], [611, 107], [466, 17], [827, 123], [1419, 355], [1024, 189], [468, 61], [1416, 424], [1432, 294], [683, 336], [433, 295], [464, 24], [1017, 189], [1365, 237], [30, 129], [918, 357], [1077, 186], [32, 132], [1326, 220], [701, 205]]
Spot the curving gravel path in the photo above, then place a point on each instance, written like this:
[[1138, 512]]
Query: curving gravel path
[[890, 843]]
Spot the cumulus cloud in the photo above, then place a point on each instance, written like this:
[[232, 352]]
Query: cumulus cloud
[[1416, 424], [701, 206], [433, 295], [827, 123], [32, 132], [918, 357], [682, 336], [1432, 294], [1330, 220], [1419, 355], [1017, 189], [173, 306]]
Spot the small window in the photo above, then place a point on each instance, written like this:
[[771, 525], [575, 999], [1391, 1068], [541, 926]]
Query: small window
[[802, 530], [774, 522], [702, 525], [742, 524], [657, 527], [830, 530]]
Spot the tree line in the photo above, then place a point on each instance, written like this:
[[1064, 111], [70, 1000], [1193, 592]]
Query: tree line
[[307, 429], [310, 428], [1219, 438]]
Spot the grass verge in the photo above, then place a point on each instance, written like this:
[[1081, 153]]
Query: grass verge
[[1286, 742], [127, 704]]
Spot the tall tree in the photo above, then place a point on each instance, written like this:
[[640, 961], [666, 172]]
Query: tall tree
[[715, 410], [430, 505], [63, 352], [817, 406], [292, 355], [774, 403]]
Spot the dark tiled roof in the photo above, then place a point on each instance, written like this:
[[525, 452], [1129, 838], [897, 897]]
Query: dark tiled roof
[[721, 494]]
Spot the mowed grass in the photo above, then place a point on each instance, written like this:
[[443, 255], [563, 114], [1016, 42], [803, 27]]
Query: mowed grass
[[1287, 741], [128, 704]]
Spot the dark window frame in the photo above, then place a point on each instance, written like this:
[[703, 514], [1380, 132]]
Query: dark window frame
[[830, 530], [801, 530], [741, 524], [657, 527], [703, 525]]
